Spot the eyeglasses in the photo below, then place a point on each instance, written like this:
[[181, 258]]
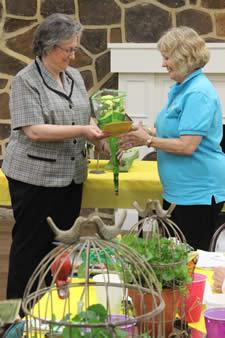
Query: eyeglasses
[[68, 51]]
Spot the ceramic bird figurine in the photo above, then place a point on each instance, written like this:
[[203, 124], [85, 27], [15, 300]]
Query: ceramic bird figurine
[[67, 236], [160, 212], [109, 232], [72, 235], [147, 211], [153, 207]]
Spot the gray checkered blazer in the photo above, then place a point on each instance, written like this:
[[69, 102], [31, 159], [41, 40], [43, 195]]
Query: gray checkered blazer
[[51, 164]]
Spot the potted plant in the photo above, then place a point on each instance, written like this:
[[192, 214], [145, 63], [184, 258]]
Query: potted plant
[[109, 109], [168, 258], [164, 248]]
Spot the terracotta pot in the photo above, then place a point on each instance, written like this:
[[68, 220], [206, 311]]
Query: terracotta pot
[[142, 305]]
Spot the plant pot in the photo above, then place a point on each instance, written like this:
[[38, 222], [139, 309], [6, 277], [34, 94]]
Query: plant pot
[[146, 304]]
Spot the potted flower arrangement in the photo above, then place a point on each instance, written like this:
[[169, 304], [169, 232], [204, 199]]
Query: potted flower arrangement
[[108, 106]]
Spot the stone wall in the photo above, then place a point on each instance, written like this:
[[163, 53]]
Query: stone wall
[[104, 21]]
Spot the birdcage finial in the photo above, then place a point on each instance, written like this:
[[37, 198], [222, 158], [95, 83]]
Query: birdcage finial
[[72, 235], [153, 207]]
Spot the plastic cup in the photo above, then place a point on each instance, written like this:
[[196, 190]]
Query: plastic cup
[[193, 301], [215, 322], [129, 328], [196, 334], [104, 291]]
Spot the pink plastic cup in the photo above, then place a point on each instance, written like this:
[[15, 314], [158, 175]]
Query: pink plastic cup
[[215, 322], [193, 301]]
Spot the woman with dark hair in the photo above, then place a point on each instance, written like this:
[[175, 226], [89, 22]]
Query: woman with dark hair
[[187, 137], [45, 160]]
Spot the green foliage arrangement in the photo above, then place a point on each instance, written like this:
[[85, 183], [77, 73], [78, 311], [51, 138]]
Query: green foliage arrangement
[[167, 257], [95, 314], [109, 106]]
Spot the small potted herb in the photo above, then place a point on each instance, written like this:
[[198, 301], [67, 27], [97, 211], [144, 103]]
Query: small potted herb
[[168, 258]]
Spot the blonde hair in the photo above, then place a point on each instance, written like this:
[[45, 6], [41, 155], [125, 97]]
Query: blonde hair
[[185, 47]]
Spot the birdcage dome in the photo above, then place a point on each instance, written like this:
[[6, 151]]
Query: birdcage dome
[[93, 284], [163, 245]]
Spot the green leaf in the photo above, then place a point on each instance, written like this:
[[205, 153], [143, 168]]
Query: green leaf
[[71, 332], [162, 253], [81, 271], [145, 335], [100, 311]]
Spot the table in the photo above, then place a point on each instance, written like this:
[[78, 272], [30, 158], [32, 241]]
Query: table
[[139, 184]]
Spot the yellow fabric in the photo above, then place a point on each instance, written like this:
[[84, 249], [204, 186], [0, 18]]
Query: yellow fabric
[[4, 191], [50, 303], [51, 306], [139, 184]]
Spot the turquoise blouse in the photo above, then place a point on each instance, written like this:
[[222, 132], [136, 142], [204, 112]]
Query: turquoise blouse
[[193, 108]]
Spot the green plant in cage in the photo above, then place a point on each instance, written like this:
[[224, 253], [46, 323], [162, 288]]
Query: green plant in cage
[[93, 315], [167, 257]]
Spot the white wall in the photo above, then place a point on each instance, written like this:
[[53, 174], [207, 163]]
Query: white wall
[[141, 75]]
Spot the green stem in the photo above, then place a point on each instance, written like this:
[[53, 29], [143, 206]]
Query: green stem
[[113, 147]]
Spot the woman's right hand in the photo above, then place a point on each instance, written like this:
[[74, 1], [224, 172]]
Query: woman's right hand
[[93, 133], [137, 137]]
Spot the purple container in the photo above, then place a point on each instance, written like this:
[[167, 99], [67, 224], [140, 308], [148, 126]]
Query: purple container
[[129, 328], [215, 322]]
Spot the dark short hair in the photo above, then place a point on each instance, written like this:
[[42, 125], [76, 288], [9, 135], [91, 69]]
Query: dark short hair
[[53, 30]]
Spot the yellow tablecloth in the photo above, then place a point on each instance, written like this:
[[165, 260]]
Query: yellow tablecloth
[[4, 191], [139, 184]]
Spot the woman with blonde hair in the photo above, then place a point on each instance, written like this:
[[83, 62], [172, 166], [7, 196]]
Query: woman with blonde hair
[[187, 136]]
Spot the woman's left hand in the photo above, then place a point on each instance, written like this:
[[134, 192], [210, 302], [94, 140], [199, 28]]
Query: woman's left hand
[[134, 138]]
